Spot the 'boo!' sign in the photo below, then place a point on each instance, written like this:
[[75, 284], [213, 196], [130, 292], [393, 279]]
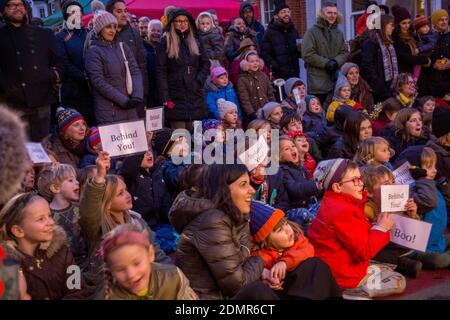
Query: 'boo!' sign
[[124, 138]]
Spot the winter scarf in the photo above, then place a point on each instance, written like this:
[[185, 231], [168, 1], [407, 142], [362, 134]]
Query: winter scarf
[[389, 60], [76, 147]]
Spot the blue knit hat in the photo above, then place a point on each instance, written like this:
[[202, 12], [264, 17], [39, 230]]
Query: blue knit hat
[[65, 117], [263, 218]]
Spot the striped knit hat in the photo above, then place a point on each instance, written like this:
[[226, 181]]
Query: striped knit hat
[[65, 117], [263, 218], [93, 139], [330, 171]]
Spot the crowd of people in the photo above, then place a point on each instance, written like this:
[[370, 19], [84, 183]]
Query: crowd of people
[[148, 227]]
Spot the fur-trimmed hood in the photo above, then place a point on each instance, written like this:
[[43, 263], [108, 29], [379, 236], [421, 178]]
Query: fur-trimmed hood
[[322, 21], [244, 65], [51, 248]]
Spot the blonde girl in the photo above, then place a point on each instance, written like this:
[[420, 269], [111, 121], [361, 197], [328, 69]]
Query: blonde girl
[[374, 151]]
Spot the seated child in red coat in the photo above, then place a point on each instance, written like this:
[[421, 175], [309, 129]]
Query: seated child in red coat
[[289, 264], [344, 238]]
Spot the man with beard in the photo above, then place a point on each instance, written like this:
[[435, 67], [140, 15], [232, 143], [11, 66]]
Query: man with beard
[[324, 51], [75, 91], [154, 34], [29, 68], [280, 44]]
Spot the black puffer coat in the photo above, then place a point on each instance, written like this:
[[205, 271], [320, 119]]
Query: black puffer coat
[[213, 252], [280, 50], [397, 142], [341, 149], [182, 80]]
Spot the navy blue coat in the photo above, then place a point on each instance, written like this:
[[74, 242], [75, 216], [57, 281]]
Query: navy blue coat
[[75, 91], [151, 198], [278, 197], [254, 25], [153, 99], [299, 189]]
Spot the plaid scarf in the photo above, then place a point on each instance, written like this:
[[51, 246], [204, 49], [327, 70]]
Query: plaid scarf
[[389, 60]]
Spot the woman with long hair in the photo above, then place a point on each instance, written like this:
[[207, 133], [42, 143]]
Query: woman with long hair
[[379, 60], [406, 130], [357, 128], [182, 67]]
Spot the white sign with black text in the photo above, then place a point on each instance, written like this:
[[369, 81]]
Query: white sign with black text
[[394, 197], [154, 119], [410, 233], [37, 153], [256, 154], [124, 138], [402, 174]]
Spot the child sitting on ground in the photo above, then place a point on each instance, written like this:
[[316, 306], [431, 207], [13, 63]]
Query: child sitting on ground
[[291, 87], [286, 253], [431, 194], [343, 237], [59, 185], [254, 88], [92, 147], [220, 88], [342, 94], [33, 239], [271, 112], [374, 177], [374, 151], [131, 272], [314, 120]]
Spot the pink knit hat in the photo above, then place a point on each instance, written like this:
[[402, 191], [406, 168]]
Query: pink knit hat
[[216, 72]]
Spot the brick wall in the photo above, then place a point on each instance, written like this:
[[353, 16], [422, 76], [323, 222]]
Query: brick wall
[[298, 9]]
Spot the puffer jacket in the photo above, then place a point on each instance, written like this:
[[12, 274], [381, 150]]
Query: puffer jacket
[[105, 67], [314, 122], [254, 91], [46, 273], [280, 50], [212, 42], [341, 149], [215, 93], [254, 24], [213, 252], [343, 237], [321, 44]]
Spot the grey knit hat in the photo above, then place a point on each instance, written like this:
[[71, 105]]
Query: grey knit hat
[[266, 110], [290, 84], [102, 19], [330, 171], [225, 107], [347, 66]]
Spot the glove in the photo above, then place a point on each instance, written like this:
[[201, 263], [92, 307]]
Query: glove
[[169, 104], [417, 172], [331, 66], [132, 103]]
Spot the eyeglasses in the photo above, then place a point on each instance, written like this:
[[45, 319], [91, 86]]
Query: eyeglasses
[[356, 181], [181, 21], [14, 6]]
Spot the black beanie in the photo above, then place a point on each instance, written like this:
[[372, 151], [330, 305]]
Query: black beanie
[[441, 121], [280, 5], [66, 5]]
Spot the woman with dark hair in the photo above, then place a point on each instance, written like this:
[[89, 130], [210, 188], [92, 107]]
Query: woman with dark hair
[[405, 44], [357, 128], [182, 67], [379, 59], [215, 243], [406, 130], [361, 91], [404, 89]]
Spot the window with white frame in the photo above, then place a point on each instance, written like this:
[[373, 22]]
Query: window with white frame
[[267, 9], [41, 13]]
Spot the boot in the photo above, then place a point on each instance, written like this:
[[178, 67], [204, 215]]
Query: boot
[[409, 267]]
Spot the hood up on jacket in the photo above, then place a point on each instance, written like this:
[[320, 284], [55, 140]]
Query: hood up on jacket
[[186, 208]]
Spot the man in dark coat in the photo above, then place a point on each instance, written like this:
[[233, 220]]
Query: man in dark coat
[[280, 49], [129, 35], [29, 68], [439, 73], [75, 91], [247, 13]]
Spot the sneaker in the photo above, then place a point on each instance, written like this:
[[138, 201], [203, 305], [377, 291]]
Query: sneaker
[[409, 267], [355, 294]]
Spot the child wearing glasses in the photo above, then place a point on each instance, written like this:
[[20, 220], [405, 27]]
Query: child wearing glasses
[[345, 239]]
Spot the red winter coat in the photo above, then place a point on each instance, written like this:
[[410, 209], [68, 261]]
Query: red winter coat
[[299, 252], [343, 238]]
